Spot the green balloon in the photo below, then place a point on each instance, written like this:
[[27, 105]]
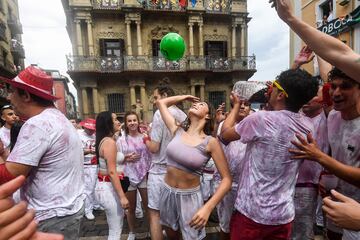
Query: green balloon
[[172, 46]]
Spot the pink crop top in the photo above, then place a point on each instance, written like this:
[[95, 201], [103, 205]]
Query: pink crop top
[[191, 159]]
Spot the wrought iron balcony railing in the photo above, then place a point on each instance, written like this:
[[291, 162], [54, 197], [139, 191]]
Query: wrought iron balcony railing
[[17, 49], [136, 63], [159, 64], [217, 6], [94, 64], [15, 26], [162, 64], [107, 4], [171, 5]]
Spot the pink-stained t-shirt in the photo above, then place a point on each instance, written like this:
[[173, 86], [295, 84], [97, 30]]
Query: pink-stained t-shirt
[[137, 170], [268, 176], [5, 136], [344, 139], [88, 142], [310, 170], [234, 153], [161, 134], [51, 146]]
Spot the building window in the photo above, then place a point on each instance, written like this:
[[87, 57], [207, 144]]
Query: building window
[[216, 98], [112, 47], [116, 103], [156, 48], [325, 12], [216, 48]]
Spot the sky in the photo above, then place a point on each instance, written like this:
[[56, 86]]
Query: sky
[[46, 41]]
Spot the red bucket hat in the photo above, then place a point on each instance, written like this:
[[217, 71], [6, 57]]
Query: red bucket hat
[[35, 81], [89, 123]]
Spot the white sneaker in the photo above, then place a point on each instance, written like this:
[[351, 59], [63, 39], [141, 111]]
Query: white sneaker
[[89, 216], [131, 236]]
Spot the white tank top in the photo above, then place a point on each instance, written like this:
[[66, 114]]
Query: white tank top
[[119, 163]]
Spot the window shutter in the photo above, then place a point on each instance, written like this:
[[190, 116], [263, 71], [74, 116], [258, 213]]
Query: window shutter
[[102, 47], [225, 49], [122, 47]]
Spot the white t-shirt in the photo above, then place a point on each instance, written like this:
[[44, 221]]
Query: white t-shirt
[[268, 176], [88, 142], [344, 139], [310, 170], [5, 136], [50, 144], [161, 134]]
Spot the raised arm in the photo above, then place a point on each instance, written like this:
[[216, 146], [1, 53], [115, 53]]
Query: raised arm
[[305, 55], [228, 133], [329, 48], [163, 105], [324, 68]]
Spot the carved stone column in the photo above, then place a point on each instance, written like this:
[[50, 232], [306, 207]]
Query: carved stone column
[[243, 39], [80, 51], [192, 90], [233, 41], [144, 102], [90, 37], [191, 39], [132, 95], [246, 40], [96, 100], [128, 37], [202, 92], [201, 41], [138, 36], [85, 101]]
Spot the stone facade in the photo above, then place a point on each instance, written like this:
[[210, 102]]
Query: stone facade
[[116, 58], [11, 50]]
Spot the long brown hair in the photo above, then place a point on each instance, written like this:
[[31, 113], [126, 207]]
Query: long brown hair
[[126, 129], [209, 125]]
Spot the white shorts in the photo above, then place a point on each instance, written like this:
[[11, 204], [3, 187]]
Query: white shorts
[[154, 184], [142, 185], [225, 208], [178, 206]]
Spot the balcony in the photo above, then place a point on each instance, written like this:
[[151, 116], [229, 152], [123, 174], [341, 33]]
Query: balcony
[[107, 4], [17, 49], [94, 64], [196, 63], [170, 5], [14, 26], [217, 6], [159, 64], [136, 63]]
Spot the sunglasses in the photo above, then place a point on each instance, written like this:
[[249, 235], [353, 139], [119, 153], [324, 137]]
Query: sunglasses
[[6, 107], [278, 86]]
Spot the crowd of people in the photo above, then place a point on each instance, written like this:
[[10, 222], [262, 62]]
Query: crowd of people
[[270, 174]]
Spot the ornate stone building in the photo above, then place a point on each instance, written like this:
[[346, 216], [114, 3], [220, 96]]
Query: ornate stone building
[[116, 58], [12, 53]]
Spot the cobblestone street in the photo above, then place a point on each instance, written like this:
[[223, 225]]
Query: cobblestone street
[[98, 230]]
